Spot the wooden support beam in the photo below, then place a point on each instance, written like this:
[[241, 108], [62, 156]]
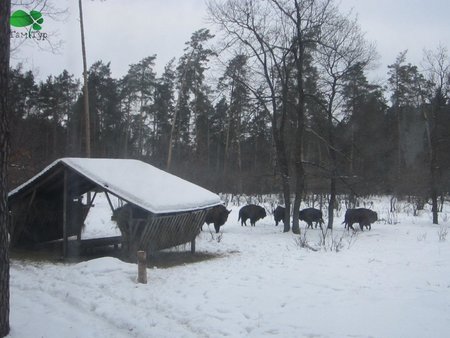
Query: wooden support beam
[[89, 205], [65, 204], [93, 199], [109, 201]]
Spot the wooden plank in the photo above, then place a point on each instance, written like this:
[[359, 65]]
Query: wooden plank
[[103, 241], [109, 201]]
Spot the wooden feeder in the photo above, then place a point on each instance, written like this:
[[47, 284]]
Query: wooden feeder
[[160, 211]]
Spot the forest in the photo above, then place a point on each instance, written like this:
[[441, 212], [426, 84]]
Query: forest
[[282, 104]]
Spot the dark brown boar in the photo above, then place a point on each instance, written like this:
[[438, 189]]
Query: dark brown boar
[[217, 215], [252, 212]]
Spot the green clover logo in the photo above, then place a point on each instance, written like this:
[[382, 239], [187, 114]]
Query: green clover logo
[[21, 18]]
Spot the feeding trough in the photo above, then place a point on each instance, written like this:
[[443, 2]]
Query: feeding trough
[[160, 210]]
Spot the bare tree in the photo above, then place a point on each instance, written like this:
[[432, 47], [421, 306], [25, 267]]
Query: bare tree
[[341, 47], [437, 69], [307, 19], [254, 27], [279, 35], [4, 149]]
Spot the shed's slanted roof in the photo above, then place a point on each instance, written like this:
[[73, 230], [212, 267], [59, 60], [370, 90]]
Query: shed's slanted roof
[[134, 181]]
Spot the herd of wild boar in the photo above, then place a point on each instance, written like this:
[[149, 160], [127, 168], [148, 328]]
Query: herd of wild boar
[[218, 215]]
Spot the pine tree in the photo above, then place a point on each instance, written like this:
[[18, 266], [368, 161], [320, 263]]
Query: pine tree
[[234, 81], [365, 110], [107, 125], [408, 88], [141, 83], [163, 110], [189, 132], [217, 135], [55, 101], [22, 96]]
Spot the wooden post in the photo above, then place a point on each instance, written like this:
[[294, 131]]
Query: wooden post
[[142, 267], [109, 201], [193, 246], [65, 241], [80, 224]]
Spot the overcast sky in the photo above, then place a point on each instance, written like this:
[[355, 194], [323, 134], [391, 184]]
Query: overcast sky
[[123, 32]]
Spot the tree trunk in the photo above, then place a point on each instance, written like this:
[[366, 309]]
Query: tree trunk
[[434, 203], [434, 177], [430, 127], [399, 144], [171, 141], [284, 172], [239, 160], [333, 163], [226, 151], [332, 200], [299, 171], [87, 119], [5, 10], [299, 57], [287, 203]]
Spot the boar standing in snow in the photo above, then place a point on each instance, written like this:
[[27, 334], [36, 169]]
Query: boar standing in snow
[[365, 217], [252, 212], [310, 215], [217, 215], [278, 214]]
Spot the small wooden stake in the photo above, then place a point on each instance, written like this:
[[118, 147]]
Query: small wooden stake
[[142, 267], [193, 246]]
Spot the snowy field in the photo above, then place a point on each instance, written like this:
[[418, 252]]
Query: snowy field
[[392, 281]]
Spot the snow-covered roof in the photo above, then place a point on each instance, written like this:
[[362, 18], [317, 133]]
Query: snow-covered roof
[[137, 182]]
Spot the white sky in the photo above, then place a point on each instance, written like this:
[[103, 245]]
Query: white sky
[[124, 32]]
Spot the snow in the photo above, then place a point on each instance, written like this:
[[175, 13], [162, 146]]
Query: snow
[[139, 183], [392, 281]]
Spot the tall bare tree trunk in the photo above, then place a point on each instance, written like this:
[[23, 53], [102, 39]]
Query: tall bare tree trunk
[[226, 153], [434, 169], [434, 165], [87, 118], [333, 159], [299, 55], [5, 10], [171, 141], [434, 190], [239, 152], [333, 172], [283, 167]]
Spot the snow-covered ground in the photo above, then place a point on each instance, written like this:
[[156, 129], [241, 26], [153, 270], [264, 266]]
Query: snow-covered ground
[[392, 281]]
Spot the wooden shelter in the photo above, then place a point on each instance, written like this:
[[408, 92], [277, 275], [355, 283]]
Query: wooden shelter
[[160, 210]]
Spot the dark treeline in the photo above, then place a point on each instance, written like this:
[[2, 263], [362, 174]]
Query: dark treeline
[[332, 125]]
